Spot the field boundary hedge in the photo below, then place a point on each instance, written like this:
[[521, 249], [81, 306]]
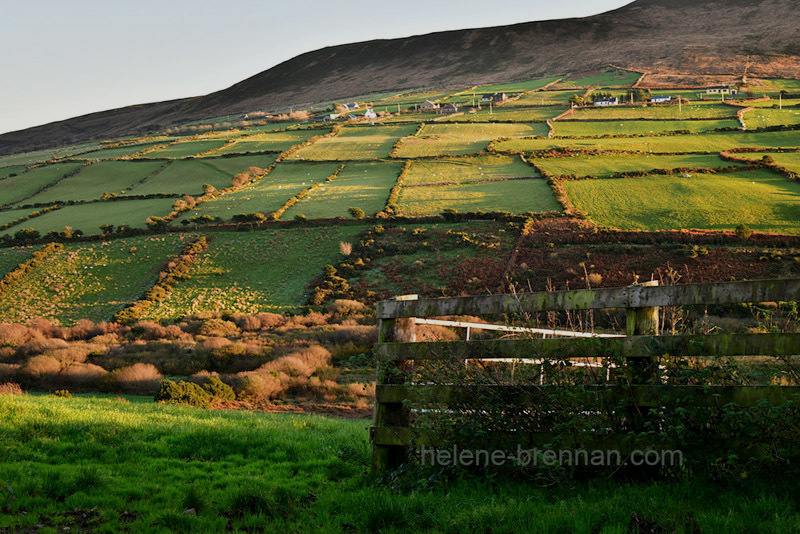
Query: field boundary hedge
[[176, 268], [277, 214], [52, 184], [37, 259]]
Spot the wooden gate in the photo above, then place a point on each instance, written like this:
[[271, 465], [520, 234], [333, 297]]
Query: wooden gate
[[391, 434]]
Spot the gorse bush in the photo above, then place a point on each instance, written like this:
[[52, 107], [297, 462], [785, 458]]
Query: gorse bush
[[191, 394]]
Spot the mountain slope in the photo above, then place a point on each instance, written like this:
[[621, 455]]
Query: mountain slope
[[671, 36]]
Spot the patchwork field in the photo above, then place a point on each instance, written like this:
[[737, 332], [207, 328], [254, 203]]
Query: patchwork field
[[274, 142], [11, 257], [356, 143], [268, 194], [40, 156], [360, 185], [21, 187], [236, 164], [790, 160], [763, 117], [708, 142], [546, 98], [660, 111], [89, 217], [185, 149], [96, 179], [467, 169], [605, 78], [122, 151], [185, 178], [633, 127], [251, 272], [455, 139], [760, 199], [89, 281], [515, 196], [604, 166], [506, 113], [11, 171]]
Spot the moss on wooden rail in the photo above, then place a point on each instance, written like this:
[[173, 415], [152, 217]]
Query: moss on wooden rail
[[585, 299], [572, 348]]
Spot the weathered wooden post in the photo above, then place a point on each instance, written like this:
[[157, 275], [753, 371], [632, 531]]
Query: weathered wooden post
[[392, 414], [642, 370]]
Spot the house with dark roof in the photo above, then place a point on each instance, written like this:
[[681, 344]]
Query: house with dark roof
[[721, 90], [494, 97], [446, 109]]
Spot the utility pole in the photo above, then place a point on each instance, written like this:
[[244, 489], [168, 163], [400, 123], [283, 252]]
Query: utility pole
[[680, 105], [780, 101], [490, 108]]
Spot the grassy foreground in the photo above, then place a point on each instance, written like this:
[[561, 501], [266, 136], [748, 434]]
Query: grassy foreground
[[111, 466]]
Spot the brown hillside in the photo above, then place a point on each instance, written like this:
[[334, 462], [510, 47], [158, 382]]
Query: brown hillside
[[713, 37]]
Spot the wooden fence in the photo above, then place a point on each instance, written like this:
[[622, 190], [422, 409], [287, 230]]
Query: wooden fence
[[392, 435]]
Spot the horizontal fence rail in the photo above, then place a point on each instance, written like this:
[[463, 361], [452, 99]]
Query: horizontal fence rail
[[594, 299], [628, 347]]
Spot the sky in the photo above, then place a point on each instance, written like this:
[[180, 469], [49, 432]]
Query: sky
[[64, 59]]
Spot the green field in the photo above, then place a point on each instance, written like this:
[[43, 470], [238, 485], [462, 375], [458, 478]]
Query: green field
[[506, 113], [605, 78], [760, 199], [410, 100], [763, 117], [360, 185], [233, 165], [262, 142], [455, 139], [268, 194], [11, 257], [184, 178], [708, 142], [367, 142], [516, 87], [40, 156], [546, 98], [125, 150], [12, 215], [96, 179], [130, 465], [8, 171], [604, 166], [516, 196], [89, 217], [185, 149], [467, 169], [89, 281], [790, 160], [24, 185], [569, 128], [251, 272], [659, 111]]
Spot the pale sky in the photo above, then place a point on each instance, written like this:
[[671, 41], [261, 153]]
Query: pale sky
[[66, 58]]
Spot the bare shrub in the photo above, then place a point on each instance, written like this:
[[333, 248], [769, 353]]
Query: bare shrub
[[41, 346], [41, 366], [218, 327], [363, 336], [10, 388], [429, 332], [271, 320], [215, 343], [46, 328], [85, 329], [8, 370], [81, 375], [70, 354], [595, 279], [300, 363], [345, 248], [13, 335], [138, 378], [345, 308], [258, 387], [154, 331]]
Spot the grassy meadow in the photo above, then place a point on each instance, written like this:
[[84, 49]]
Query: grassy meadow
[[252, 272], [707, 142], [184, 178], [89, 217], [121, 151], [185, 149], [367, 142], [570, 128], [360, 185], [25, 185], [607, 165], [89, 281], [268, 141], [467, 169], [455, 139], [141, 465], [94, 180], [760, 199], [515, 196], [268, 194]]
